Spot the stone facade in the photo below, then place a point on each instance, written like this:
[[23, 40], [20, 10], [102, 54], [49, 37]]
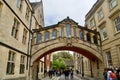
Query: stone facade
[[16, 24], [104, 17]]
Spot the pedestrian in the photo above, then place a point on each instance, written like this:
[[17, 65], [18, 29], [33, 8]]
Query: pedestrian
[[66, 73], [117, 72], [71, 73], [105, 73], [111, 75]]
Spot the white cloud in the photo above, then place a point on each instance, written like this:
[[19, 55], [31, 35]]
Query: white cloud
[[57, 10]]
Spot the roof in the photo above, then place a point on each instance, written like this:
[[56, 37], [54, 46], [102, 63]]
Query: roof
[[35, 4], [94, 7]]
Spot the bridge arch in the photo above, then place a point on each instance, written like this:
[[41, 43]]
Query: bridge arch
[[80, 39], [62, 36], [91, 51]]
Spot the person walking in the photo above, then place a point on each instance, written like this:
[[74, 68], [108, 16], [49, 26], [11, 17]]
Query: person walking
[[105, 73], [111, 75]]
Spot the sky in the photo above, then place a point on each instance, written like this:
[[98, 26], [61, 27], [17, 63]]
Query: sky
[[57, 10]]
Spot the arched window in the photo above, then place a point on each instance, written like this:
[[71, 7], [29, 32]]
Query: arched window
[[68, 30], [81, 35], [95, 39], [62, 31], [74, 31], [39, 38], [88, 37], [54, 33], [47, 36]]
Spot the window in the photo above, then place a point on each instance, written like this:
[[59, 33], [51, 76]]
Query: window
[[54, 33], [27, 13], [81, 35], [24, 36], [39, 38], [62, 31], [95, 39], [15, 28], [92, 22], [117, 23], [113, 3], [104, 33], [46, 36], [11, 63], [88, 37], [22, 64], [19, 4], [1, 7], [74, 31], [109, 59], [100, 14], [68, 30]]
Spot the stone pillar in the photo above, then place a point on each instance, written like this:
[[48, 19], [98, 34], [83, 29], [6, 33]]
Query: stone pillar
[[35, 70]]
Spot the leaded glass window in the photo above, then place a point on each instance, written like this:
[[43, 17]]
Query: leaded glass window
[[117, 23], [39, 38], [68, 30], [54, 33], [47, 36]]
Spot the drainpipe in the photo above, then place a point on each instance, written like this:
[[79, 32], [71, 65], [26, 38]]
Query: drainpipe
[[82, 67], [29, 46]]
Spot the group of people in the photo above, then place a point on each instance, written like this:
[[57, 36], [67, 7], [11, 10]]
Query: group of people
[[67, 73], [111, 74]]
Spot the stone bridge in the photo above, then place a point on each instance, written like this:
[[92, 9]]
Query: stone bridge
[[66, 35]]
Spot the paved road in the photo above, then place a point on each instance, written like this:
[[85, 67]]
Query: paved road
[[62, 77]]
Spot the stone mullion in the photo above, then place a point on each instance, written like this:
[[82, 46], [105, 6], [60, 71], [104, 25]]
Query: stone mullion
[[50, 35], [85, 36], [92, 39], [58, 34], [77, 32]]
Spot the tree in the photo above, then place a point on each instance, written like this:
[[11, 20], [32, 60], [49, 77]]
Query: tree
[[58, 64], [64, 55], [60, 58]]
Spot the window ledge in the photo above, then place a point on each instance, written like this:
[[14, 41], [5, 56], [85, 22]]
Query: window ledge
[[105, 39], [117, 33]]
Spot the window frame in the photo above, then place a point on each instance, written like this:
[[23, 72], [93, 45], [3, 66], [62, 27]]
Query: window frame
[[11, 63], [112, 4], [39, 35], [46, 36], [81, 34], [27, 14], [24, 39], [22, 64], [92, 22], [109, 60], [19, 4], [15, 28], [99, 15], [117, 29], [54, 33], [68, 30], [104, 36]]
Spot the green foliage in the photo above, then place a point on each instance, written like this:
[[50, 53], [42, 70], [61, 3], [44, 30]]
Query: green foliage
[[63, 55], [58, 64], [59, 59]]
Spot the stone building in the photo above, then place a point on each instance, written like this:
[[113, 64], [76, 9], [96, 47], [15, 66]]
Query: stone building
[[17, 19], [104, 17]]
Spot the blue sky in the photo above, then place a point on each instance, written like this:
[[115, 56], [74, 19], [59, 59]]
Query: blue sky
[[57, 10]]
